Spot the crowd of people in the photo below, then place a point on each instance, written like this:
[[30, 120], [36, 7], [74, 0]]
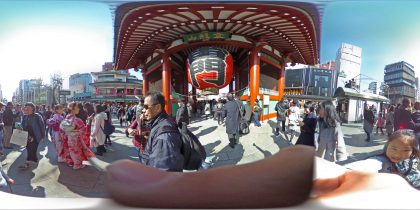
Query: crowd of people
[[83, 130]]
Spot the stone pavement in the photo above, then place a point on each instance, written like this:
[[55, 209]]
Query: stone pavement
[[52, 179]]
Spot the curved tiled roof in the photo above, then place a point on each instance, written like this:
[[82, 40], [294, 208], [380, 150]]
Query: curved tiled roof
[[292, 28]]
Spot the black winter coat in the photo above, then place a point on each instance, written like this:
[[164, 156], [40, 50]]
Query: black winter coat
[[182, 115], [307, 134], [163, 151], [231, 110]]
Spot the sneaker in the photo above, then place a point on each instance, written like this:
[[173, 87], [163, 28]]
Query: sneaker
[[24, 166]]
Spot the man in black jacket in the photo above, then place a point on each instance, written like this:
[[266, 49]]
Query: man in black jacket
[[33, 123], [8, 117], [163, 149], [281, 109]]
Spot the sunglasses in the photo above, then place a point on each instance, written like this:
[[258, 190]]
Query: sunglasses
[[148, 106]]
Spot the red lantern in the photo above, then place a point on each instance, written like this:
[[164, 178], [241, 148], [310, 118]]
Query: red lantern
[[209, 67]]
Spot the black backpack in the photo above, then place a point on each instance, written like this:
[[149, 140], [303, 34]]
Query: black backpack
[[193, 151]]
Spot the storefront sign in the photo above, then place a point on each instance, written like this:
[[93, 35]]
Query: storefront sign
[[206, 36]]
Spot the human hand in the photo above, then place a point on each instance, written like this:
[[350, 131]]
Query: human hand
[[134, 184], [11, 181], [376, 190]]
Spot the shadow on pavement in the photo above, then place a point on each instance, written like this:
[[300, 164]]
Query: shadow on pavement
[[360, 156], [192, 129], [359, 140], [228, 156], [85, 182], [272, 125], [23, 178], [206, 131], [118, 151], [282, 141], [265, 152], [210, 147]]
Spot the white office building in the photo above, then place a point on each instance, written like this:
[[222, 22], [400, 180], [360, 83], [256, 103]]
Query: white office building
[[348, 64]]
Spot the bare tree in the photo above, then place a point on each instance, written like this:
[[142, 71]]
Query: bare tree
[[56, 85]]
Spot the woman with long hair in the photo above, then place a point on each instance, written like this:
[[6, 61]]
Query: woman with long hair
[[97, 135], [331, 140], [82, 113], [75, 149]]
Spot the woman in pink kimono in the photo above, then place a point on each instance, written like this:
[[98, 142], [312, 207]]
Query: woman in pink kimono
[[54, 123], [75, 149]]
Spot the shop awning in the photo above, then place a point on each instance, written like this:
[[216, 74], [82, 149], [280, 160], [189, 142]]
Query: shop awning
[[352, 93]]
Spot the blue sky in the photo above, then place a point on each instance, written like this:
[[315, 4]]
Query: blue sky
[[38, 38], [387, 32]]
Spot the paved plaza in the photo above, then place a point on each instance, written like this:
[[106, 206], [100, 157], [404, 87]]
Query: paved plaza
[[52, 179]]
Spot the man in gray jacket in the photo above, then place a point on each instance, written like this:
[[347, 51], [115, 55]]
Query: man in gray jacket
[[163, 149], [232, 113]]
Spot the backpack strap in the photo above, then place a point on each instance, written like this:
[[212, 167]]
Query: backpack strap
[[239, 108]]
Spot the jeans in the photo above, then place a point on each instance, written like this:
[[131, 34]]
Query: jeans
[[283, 125], [139, 155], [219, 115], [368, 134], [257, 120]]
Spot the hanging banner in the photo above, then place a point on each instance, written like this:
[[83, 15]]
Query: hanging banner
[[205, 36]]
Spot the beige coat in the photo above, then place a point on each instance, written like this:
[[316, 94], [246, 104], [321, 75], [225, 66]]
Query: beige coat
[[97, 132]]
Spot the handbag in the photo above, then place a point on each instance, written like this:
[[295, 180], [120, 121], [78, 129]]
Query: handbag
[[19, 137]]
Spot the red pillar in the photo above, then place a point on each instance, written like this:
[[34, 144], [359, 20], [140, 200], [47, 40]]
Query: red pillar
[[281, 80], [254, 79], [166, 83], [145, 84]]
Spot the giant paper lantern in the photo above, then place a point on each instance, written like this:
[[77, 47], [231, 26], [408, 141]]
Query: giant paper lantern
[[209, 67]]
